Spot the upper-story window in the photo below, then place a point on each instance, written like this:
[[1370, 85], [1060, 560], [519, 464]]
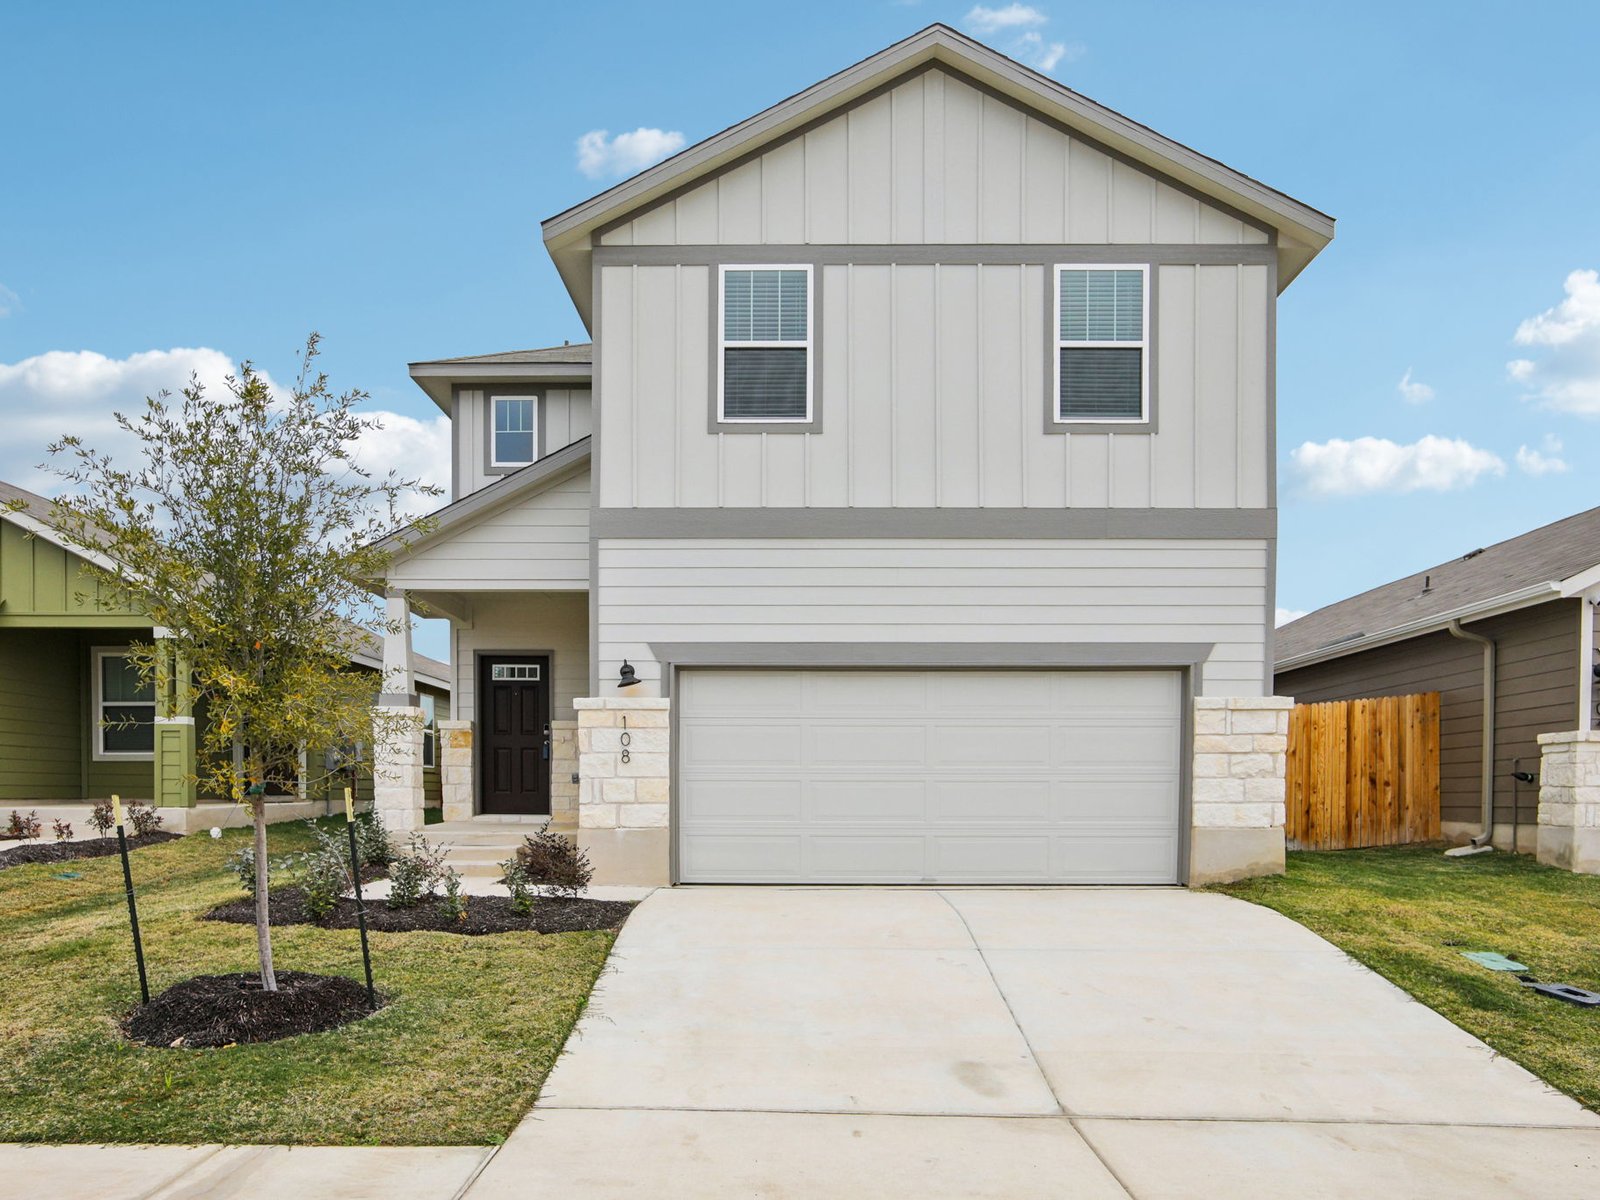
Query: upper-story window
[[765, 360], [1102, 344], [514, 437]]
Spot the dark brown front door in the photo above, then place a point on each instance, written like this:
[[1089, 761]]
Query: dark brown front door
[[514, 691]]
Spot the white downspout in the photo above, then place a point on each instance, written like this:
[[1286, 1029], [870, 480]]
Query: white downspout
[[1483, 840], [1586, 662]]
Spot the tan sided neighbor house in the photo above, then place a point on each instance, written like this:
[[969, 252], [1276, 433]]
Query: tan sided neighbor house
[[921, 474], [1513, 622]]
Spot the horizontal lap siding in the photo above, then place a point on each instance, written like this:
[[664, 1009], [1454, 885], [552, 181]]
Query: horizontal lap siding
[[555, 622], [933, 160], [41, 715], [926, 590], [1535, 688], [540, 543], [931, 384]]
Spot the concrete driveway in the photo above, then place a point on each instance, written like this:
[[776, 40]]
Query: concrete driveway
[[1020, 1043]]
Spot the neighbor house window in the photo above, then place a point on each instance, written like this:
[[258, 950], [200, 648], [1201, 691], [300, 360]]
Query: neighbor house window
[[514, 439], [124, 711], [766, 344], [430, 731], [1102, 346]]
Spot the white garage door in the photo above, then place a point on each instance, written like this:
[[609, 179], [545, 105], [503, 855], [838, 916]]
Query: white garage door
[[953, 776]]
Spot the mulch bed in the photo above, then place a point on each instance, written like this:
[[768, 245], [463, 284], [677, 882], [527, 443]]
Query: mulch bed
[[208, 1011], [485, 914], [59, 852]]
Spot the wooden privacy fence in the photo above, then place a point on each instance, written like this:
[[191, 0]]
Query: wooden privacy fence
[[1363, 773]]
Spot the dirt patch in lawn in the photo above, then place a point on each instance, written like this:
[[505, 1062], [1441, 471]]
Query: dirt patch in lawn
[[208, 1011], [59, 852], [485, 914]]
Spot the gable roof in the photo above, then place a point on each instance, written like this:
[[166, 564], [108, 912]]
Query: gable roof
[[525, 481], [567, 363], [1555, 560], [37, 515], [1302, 230]]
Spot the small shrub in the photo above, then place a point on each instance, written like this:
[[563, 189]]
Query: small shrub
[[515, 877], [144, 819], [102, 819], [412, 875], [554, 861], [374, 846], [453, 904], [243, 865], [63, 830], [24, 828], [324, 877]]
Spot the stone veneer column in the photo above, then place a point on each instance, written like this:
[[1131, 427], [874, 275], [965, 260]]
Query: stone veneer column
[[397, 792], [563, 766], [1240, 745], [624, 808], [455, 770], [1569, 801]]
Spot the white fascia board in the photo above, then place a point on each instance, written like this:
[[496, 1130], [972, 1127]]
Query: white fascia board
[[1526, 597], [1582, 582], [437, 379]]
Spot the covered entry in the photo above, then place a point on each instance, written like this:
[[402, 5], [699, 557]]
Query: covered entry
[[920, 775]]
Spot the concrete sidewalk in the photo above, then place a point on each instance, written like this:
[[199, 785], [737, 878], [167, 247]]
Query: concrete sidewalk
[[957, 1043]]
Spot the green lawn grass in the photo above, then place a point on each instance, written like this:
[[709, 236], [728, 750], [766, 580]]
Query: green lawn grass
[[473, 1026], [1408, 912]]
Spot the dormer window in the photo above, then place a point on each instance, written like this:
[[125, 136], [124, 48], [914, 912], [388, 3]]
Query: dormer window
[[1102, 366], [514, 437], [765, 355]]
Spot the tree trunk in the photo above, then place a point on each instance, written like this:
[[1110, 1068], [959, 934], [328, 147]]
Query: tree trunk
[[258, 813]]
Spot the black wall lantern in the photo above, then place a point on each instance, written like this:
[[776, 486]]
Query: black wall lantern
[[627, 676]]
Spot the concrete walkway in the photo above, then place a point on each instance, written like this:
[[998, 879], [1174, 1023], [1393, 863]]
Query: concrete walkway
[[960, 1043]]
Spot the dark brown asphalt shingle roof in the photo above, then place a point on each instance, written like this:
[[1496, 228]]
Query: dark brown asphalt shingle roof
[[1551, 552], [578, 352]]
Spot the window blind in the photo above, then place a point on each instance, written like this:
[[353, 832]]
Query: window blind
[[766, 354], [1102, 344]]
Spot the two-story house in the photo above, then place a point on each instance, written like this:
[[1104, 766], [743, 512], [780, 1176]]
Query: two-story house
[[920, 472]]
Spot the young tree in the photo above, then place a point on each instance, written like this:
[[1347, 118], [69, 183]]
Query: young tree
[[248, 533]]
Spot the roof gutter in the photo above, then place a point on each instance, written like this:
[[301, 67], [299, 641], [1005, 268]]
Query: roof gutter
[[1526, 597]]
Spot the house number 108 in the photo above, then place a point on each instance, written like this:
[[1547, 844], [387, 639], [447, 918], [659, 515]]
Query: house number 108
[[625, 739]]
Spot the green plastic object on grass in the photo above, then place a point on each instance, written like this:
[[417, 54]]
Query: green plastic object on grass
[[1494, 961]]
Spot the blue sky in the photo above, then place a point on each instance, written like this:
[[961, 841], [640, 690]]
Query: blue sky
[[189, 184]]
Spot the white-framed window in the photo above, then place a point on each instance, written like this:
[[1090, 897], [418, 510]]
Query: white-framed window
[[124, 708], [430, 731], [514, 436], [764, 363], [1102, 369]]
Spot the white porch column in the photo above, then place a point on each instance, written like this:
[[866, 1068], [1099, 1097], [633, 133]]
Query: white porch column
[[1586, 605], [397, 791]]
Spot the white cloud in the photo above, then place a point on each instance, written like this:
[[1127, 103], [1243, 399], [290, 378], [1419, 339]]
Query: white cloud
[[1002, 20], [1547, 461], [601, 156], [1284, 615], [10, 302], [1367, 464], [1566, 374], [1414, 390], [78, 391], [1021, 24]]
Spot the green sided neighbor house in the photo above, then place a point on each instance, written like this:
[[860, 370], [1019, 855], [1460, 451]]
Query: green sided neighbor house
[[77, 725]]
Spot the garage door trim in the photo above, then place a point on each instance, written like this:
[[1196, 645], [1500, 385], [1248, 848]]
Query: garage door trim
[[1184, 657]]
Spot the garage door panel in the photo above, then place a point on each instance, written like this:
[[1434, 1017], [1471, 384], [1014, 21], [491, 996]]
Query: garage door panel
[[982, 858], [866, 858], [743, 801], [739, 743], [906, 776], [1114, 857], [841, 744], [988, 746], [1137, 801], [1006, 802], [868, 801]]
